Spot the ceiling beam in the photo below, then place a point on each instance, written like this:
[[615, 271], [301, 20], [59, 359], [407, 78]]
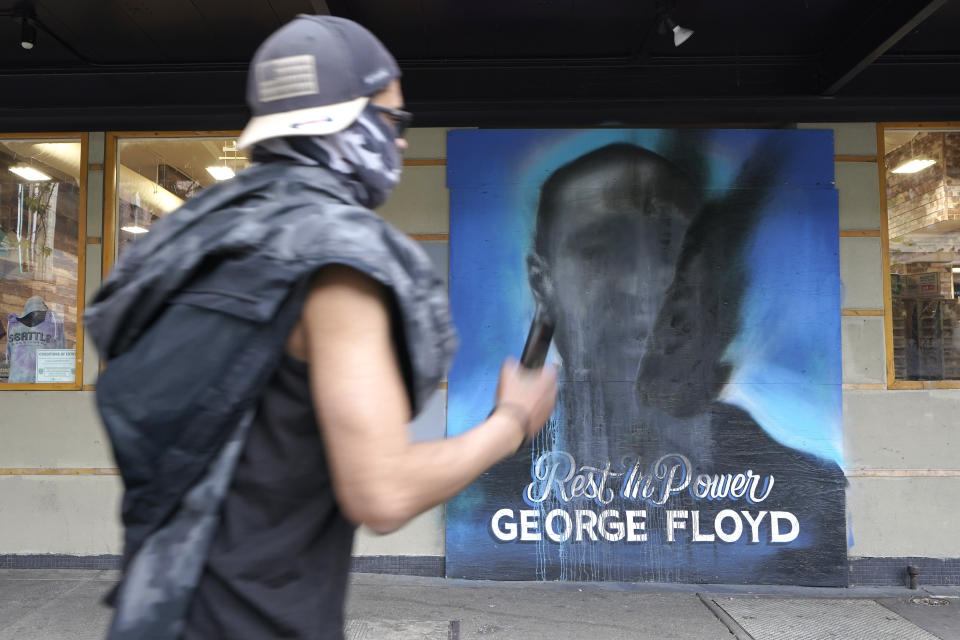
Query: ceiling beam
[[860, 46]]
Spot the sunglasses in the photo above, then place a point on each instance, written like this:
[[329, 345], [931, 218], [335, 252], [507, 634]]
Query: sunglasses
[[401, 119]]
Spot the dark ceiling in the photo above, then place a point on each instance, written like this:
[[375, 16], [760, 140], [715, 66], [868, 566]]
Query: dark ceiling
[[169, 64]]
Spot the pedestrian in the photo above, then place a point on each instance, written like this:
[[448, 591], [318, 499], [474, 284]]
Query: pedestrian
[[266, 346]]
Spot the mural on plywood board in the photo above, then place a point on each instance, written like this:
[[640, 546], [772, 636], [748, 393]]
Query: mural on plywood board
[[693, 278]]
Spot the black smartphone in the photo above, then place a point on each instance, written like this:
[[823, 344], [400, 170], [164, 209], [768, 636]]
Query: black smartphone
[[538, 341]]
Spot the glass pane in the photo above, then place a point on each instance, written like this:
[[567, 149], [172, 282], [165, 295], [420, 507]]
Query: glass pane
[[39, 259], [923, 214], [155, 175]]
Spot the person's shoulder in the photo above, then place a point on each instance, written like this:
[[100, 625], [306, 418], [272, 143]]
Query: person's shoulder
[[738, 436], [331, 231]]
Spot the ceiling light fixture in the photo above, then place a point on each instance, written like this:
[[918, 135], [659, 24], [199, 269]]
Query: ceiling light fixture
[[135, 228], [28, 34], [29, 173], [221, 173], [680, 34], [913, 166]]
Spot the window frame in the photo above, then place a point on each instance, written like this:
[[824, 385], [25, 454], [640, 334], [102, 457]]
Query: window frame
[[892, 382], [82, 241]]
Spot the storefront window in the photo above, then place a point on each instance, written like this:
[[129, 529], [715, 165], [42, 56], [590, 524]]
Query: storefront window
[[155, 174], [922, 184], [41, 221]]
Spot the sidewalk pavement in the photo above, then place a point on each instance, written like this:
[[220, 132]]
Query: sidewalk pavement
[[40, 604]]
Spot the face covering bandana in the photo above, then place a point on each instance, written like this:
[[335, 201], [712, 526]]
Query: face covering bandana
[[364, 156]]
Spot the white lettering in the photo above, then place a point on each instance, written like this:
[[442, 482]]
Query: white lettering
[[754, 480], [529, 526], [754, 524], [636, 526], [552, 533], [585, 527], [675, 520], [504, 532], [738, 488], [548, 472], [737, 526], [611, 529], [663, 470], [701, 487], [695, 529], [775, 518]]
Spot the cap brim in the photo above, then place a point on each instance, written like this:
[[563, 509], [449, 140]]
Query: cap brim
[[315, 121]]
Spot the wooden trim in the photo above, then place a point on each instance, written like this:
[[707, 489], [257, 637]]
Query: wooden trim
[[95, 167], [885, 259], [88, 387], [175, 134], [48, 471], [56, 135], [863, 312], [941, 384], [923, 385], [860, 233], [110, 181], [839, 158], [916, 125], [864, 386], [431, 237], [442, 385], [892, 382], [904, 385], [83, 138], [39, 386], [109, 232], [902, 473], [93, 240], [425, 162], [81, 261]]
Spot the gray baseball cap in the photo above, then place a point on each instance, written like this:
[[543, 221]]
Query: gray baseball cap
[[314, 76]]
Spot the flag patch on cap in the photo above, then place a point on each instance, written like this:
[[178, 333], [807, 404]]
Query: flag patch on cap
[[290, 77]]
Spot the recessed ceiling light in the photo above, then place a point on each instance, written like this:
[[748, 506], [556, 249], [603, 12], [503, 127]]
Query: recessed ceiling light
[[135, 229], [29, 173], [221, 173], [913, 166]]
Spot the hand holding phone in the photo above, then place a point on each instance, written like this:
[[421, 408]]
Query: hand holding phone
[[538, 341]]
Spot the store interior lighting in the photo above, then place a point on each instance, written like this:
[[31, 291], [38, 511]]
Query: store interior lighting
[[913, 166], [29, 173], [135, 228], [220, 173]]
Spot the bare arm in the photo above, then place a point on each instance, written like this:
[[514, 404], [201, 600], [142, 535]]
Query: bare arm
[[380, 477]]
